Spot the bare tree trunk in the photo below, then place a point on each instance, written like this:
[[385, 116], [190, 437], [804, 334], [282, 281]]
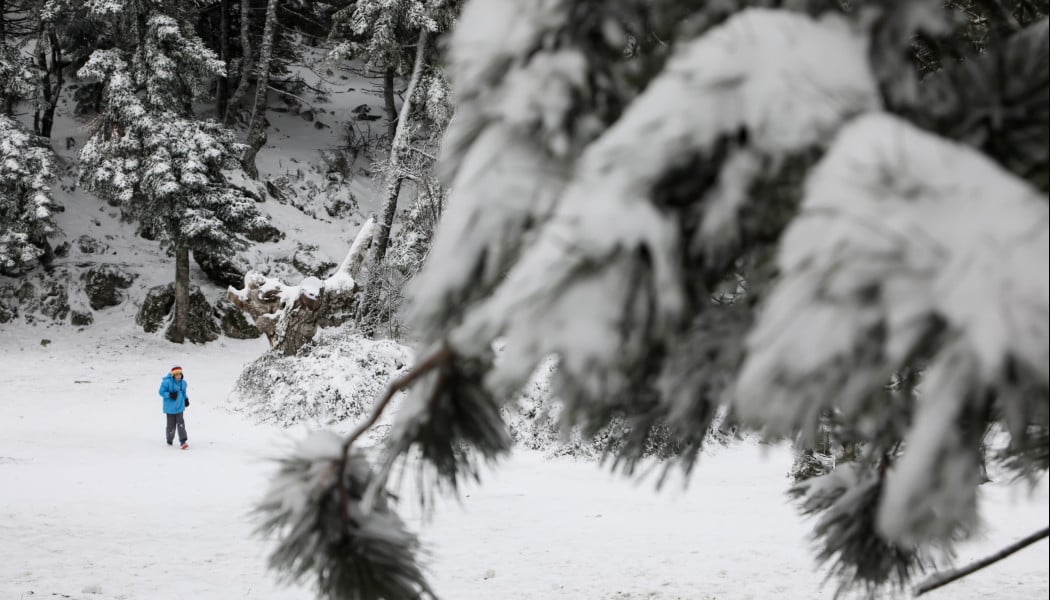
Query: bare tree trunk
[[388, 99], [245, 68], [177, 332], [222, 92], [393, 189], [49, 60], [397, 149], [257, 124]]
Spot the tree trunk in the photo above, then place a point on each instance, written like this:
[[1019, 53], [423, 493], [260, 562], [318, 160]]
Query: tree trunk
[[8, 101], [245, 67], [397, 149], [49, 60], [289, 319], [222, 91], [388, 99], [177, 333], [393, 189], [257, 124]]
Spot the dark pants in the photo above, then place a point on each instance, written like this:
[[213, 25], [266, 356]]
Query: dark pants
[[173, 422]]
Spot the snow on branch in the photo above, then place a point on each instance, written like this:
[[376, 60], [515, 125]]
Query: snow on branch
[[909, 247], [767, 85], [289, 315], [503, 178], [27, 167], [355, 258]]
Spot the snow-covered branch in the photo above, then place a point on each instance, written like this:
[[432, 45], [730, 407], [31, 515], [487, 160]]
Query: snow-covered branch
[[908, 246]]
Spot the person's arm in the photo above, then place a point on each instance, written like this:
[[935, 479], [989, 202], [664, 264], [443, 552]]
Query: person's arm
[[163, 392]]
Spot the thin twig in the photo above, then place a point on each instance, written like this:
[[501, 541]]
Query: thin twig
[[940, 579], [291, 95], [436, 359], [426, 154]]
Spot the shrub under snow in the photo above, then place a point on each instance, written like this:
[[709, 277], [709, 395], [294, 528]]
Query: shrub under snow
[[306, 389], [335, 377]]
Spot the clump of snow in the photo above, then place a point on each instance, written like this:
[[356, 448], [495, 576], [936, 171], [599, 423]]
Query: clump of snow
[[334, 378], [574, 290], [908, 244]]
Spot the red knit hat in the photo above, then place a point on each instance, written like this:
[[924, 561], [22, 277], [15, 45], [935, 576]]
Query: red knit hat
[[176, 370]]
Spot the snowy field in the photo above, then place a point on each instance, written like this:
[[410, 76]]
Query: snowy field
[[94, 505]]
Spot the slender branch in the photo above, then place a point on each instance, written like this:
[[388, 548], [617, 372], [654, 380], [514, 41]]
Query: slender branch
[[439, 357], [301, 82], [424, 153], [320, 76], [997, 9], [940, 579], [304, 17], [304, 101]]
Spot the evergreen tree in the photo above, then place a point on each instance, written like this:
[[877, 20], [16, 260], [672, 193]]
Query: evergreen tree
[[829, 218], [149, 155], [384, 35], [26, 167], [26, 205], [16, 75]]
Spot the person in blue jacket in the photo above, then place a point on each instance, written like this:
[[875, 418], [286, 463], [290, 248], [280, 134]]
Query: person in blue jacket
[[173, 395]]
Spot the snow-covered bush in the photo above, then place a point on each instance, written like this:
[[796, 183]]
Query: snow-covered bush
[[333, 379], [534, 420], [26, 205]]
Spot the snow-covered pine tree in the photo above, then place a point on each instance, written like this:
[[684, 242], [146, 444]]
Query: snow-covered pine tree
[[810, 214], [16, 76], [383, 35], [149, 155], [26, 205], [26, 170], [236, 30]]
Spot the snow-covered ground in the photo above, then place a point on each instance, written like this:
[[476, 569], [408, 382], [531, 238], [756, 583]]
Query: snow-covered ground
[[94, 505]]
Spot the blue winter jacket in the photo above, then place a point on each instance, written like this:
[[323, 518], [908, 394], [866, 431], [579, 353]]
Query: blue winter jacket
[[170, 384]]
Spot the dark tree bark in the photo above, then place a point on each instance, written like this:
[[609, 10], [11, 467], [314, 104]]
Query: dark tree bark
[[245, 67], [941, 579], [8, 102], [398, 146], [177, 333], [388, 99], [222, 91], [257, 125], [49, 61]]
